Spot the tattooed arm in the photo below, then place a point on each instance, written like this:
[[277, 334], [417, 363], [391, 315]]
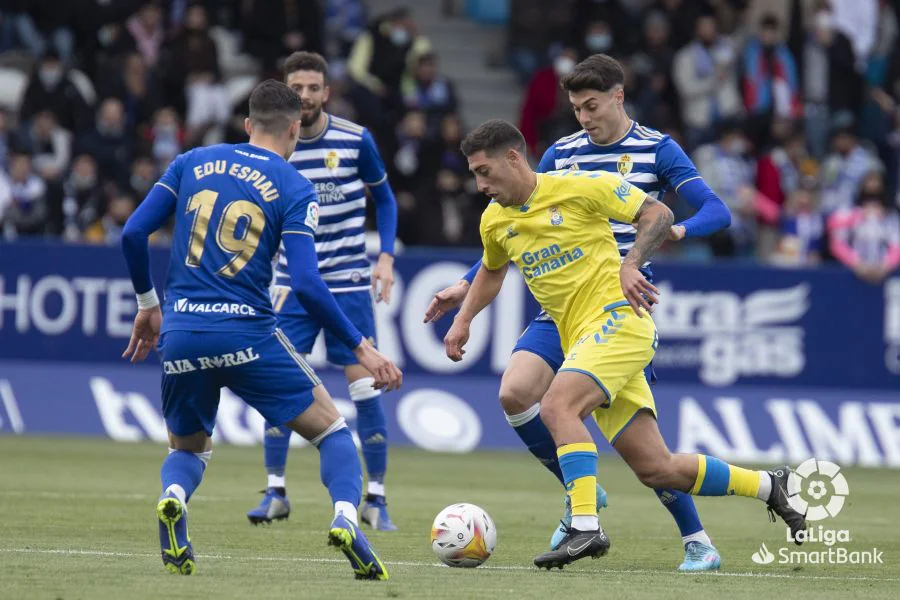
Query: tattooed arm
[[653, 221]]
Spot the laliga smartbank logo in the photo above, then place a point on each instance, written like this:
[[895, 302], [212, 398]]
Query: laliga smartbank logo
[[818, 489]]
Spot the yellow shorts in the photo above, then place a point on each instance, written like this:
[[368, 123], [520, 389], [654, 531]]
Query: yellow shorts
[[614, 351]]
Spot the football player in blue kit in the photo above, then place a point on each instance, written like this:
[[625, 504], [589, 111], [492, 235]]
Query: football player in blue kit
[[233, 206]]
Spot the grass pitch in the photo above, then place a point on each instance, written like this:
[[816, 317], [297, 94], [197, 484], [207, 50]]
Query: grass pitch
[[78, 523]]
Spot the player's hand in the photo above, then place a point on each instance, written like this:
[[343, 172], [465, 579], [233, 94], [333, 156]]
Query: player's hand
[[383, 278], [144, 334], [455, 339], [446, 300], [676, 232], [387, 376], [639, 292]]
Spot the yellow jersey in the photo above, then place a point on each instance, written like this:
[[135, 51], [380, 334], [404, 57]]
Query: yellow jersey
[[563, 244]]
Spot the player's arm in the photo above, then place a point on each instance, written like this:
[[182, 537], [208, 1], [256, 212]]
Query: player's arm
[[652, 221], [712, 214], [487, 284], [371, 169], [149, 216]]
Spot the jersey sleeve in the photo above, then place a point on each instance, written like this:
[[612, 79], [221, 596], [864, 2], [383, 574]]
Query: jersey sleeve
[[301, 214], [611, 196], [171, 179], [548, 161], [371, 167], [494, 257], [672, 165]]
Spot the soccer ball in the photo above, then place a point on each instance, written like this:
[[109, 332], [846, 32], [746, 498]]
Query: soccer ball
[[463, 535]]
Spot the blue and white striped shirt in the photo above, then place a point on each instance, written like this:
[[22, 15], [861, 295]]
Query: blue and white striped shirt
[[340, 162]]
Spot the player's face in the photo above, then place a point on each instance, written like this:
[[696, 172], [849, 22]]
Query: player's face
[[313, 92], [494, 176], [598, 112]]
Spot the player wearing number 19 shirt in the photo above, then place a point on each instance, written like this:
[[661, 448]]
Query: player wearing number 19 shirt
[[233, 206]]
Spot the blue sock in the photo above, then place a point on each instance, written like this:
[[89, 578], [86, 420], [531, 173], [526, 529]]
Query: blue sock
[[532, 431], [371, 425], [184, 469], [339, 466], [276, 442], [682, 507]]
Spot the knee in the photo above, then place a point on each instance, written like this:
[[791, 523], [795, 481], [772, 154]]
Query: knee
[[516, 398], [656, 474]]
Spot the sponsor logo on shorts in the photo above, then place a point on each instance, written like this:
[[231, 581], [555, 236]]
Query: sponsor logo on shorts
[[202, 363]]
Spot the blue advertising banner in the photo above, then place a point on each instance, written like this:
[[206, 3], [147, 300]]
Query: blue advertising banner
[[720, 325]]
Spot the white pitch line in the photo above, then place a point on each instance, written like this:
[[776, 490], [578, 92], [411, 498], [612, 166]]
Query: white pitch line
[[289, 559]]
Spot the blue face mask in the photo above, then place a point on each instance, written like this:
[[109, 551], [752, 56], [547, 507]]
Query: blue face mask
[[399, 36], [598, 42]]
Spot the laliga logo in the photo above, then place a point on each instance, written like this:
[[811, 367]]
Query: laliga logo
[[817, 489]]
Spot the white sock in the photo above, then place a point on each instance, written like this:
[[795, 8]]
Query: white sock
[[375, 488], [347, 509], [178, 492], [585, 522], [276, 481], [765, 486], [700, 536]]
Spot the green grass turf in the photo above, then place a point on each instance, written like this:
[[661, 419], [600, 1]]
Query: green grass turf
[[78, 522]]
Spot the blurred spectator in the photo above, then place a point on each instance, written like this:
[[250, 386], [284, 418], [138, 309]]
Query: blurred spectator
[[600, 27], [26, 213], [166, 137], [194, 71], [598, 38], [345, 20], [50, 146], [858, 20], [728, 169], [543, 97], [102, 54], [45, 25], [50, 88], [832, 86], [416, 157], [5, 139], [682, 16], [535, 27], [134, 87], [866, 238], [802, 230], [378, 62], [651, 67], [109, 141], [704, 74], [276, 28], [83, 198], [770, 81], [431, 92], [108, 228], [148, 31], [844, 169], [143, 176], [787, 165]]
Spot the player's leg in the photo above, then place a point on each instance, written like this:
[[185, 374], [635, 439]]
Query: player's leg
[[572, 396], [286, 391], [190, 398], [301, 330], [536, 357], [371, 422], [645, 451]]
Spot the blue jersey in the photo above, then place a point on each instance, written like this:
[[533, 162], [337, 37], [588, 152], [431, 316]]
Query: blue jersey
[[340, 162], [234, 202], [645, 157]]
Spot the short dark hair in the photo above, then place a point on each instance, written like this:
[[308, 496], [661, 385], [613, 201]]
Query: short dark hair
[[599, 72], [492, 136], [274, 106], [305, 61]]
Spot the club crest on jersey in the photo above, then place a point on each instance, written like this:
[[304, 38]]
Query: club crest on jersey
[[625, 165], [510, 232], [331, 160], [556, 217], [573, 166]]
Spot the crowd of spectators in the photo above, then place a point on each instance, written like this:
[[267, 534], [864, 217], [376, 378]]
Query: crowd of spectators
[[789, 108]]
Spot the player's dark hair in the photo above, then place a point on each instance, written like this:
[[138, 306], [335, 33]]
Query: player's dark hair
[[493, 136], [274, 106], [305, 61], [599, 72]]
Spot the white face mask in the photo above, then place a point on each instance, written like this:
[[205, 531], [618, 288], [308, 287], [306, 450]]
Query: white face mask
[[399, 36], [737, 147], [50, 76], [823, 21], [598, 42], [563, 65]]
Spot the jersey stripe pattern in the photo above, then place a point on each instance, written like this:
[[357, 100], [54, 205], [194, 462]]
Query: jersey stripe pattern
[[334, 162]]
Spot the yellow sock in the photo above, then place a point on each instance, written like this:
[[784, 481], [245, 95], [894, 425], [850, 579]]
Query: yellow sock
[[578, 463]]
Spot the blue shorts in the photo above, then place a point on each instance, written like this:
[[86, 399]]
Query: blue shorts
[[263, 368], [541, 337], [303, 329]]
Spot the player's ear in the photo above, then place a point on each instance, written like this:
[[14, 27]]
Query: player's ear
[[327, 94], [248, 126]]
